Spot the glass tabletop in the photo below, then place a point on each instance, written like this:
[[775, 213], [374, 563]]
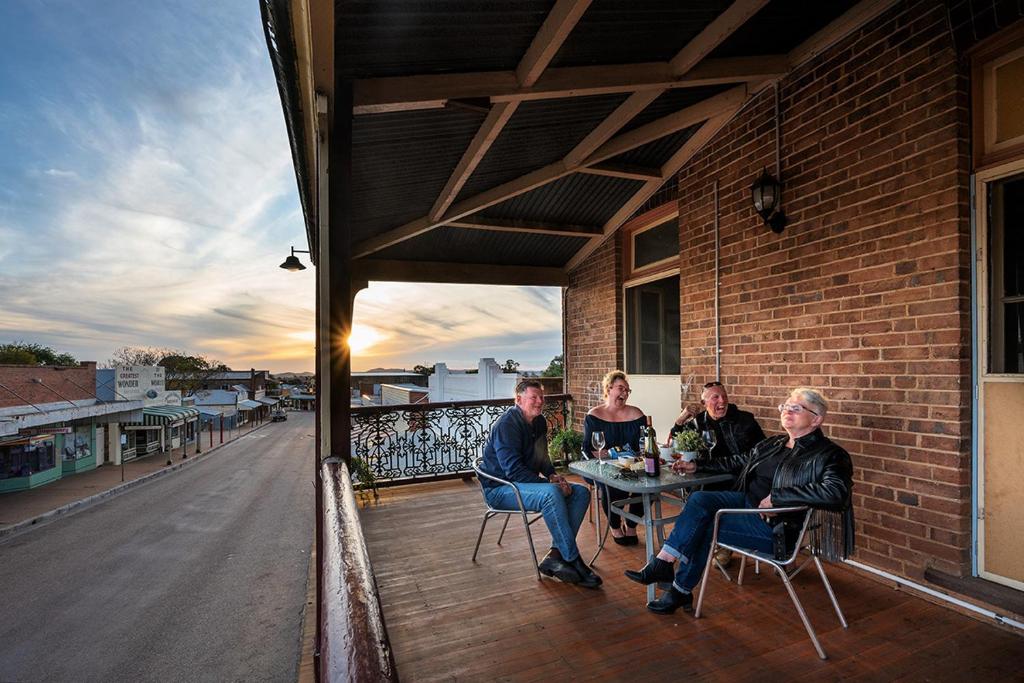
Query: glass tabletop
[[605, 472]]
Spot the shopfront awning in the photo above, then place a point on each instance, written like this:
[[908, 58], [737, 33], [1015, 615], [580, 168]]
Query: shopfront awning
[[267, 401], [168, 415], [212, 411], [249, 405]]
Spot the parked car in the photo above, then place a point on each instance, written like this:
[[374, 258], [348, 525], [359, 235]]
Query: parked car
[[278, 416]]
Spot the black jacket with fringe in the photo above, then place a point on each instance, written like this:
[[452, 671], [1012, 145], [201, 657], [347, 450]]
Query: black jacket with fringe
[[817, 473]]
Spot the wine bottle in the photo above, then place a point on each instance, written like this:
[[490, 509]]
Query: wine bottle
[[652, 455]]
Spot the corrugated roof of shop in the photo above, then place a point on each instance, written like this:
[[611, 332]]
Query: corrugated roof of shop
[[400, 37], [453, 245]]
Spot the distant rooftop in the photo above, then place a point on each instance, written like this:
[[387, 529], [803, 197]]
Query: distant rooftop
[[387, 373]]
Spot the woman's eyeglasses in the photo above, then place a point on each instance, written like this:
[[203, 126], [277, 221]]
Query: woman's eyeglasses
[[794, 408]]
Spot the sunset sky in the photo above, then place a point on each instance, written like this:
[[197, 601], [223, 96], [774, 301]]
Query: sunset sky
[[147, 197]]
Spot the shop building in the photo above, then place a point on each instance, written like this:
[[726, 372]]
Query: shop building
[[43, 439]]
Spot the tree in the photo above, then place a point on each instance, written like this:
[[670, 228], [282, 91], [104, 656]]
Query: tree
[[423, 369], [23, 353], [139, 355], [510, 366], [188, 373], [556, 368]]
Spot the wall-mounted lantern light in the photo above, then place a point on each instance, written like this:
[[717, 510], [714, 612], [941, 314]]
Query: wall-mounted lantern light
[[765, 193], [292, 263]]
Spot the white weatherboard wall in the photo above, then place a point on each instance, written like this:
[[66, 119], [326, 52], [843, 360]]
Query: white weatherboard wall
[[657, 396], [488, 382]]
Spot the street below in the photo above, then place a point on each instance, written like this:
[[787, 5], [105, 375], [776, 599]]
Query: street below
[[199, 575]]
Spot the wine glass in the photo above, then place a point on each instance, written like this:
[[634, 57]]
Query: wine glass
[[597, 441], [710, 438]]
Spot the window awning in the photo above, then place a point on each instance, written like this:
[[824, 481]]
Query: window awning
[[168, 415]]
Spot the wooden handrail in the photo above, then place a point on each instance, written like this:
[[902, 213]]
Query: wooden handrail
[[354, 643]]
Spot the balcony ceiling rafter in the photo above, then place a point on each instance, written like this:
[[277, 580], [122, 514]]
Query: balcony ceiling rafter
[[627, 141], [597, 147], [546, 43], [432, 91], [503, 126]]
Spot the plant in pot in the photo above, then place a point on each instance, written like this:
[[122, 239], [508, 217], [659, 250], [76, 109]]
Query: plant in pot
[[689, 443], [565, 445]]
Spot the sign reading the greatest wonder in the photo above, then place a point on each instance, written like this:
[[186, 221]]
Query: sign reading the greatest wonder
[[144, 383]]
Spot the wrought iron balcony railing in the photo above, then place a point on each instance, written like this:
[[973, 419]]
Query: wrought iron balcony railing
[[403, 443]]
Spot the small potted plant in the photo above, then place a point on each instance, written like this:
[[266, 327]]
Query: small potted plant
[[689, 442], [565, 445]]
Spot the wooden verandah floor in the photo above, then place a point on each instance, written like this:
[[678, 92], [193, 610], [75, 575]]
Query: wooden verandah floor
[[450, 619]]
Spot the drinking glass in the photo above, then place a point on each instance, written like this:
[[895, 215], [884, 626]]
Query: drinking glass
[[709, 437], [597, 441]]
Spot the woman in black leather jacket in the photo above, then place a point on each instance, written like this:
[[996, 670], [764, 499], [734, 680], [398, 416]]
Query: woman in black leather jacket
[[800, 467]]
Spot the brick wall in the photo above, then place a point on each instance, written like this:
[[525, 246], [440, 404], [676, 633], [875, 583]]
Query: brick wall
[[58, 383], [866, 295], [592, 324]]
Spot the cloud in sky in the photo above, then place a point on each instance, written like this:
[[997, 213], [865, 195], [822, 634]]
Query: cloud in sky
[[458, 324], [147, 196]]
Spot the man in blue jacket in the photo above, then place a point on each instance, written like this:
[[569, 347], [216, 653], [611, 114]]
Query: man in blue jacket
[[516, 451]]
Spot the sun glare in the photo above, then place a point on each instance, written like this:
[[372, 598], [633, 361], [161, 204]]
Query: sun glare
[[362, 338]]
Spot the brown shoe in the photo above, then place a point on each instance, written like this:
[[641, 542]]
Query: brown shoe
[[723, 556]]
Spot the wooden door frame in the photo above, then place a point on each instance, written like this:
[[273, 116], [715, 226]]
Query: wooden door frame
[[980, 271]]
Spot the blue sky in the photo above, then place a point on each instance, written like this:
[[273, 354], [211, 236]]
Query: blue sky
[[147, 197]]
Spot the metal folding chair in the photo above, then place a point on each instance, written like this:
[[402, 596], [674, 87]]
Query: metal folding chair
[[493, 512], [782, 567]]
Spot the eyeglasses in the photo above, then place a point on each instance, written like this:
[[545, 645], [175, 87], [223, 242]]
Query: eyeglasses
[[712, 384], [794, 408]]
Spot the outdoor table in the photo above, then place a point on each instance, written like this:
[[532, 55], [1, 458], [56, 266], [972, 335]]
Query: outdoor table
[[649, 490]]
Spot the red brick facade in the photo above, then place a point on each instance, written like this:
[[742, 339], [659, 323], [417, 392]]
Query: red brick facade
[[58, 384], [866, 295], [592, 326]]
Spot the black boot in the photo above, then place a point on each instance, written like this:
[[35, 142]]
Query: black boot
[[655, 571], [588, 579], [670, 601], [554, 566]]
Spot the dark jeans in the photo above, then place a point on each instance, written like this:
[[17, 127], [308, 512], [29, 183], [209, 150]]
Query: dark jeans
[[609, 494], [690, 539]]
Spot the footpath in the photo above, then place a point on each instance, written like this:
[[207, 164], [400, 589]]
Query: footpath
[[23, 509]]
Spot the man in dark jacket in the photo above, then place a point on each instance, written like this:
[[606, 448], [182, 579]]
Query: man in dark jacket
[[735, 430], [516, 451], [799, 468]]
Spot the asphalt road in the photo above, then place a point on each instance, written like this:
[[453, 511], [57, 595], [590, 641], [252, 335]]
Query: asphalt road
[[196, 576]]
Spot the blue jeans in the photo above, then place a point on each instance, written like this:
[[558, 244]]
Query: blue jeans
[[690, 540], [562, 514]]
